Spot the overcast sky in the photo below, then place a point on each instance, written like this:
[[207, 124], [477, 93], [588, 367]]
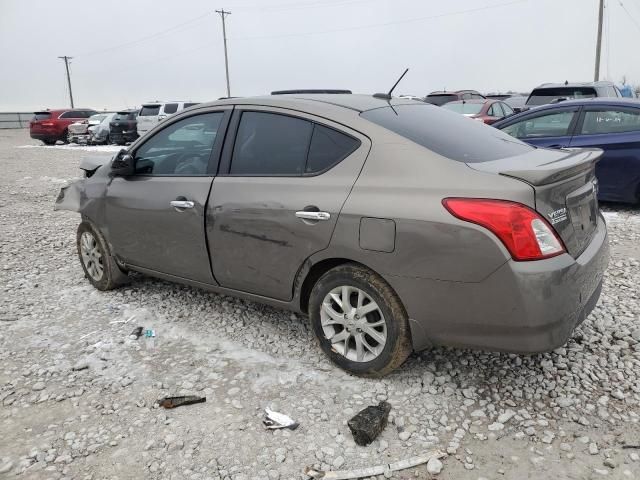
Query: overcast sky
[[127, 52]]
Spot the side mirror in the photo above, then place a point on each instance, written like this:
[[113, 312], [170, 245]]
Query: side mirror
[[123, 164]]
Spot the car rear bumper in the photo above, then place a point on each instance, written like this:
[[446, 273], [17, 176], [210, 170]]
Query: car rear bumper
[[45, 136], [523, 307], [123, 137]]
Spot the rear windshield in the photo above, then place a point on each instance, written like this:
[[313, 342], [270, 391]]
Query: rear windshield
[[41, 116], [447, 133], [121, 116], [440, 99], [464, 108], [150, 110], [542, 96]]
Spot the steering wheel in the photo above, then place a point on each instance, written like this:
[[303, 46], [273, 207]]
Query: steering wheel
[[191, 164]]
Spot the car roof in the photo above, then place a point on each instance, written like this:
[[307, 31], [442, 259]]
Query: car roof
[[603, 101], [313, 103], [452, 92], [575, 84], [477, 100]]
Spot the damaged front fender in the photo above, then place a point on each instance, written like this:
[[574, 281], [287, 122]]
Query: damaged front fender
[[71, 197]]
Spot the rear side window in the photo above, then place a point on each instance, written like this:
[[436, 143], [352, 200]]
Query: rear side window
[[447, 133], [170, 108], [328, 147], [41, 116], [75, 114], [270, 144], [150, 110], [440, 99], [611, 121], [543, 96]]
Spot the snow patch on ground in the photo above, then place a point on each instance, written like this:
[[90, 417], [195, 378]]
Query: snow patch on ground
[[85, 148]]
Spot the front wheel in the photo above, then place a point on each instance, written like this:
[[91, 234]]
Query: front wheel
[[359, 321], [99, 266]]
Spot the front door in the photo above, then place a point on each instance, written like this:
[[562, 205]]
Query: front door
[[283, 180], [156, 216], [616, 130]]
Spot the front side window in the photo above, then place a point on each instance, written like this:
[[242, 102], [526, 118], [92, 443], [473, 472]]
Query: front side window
[[447, 133], [182, 148], [270, 144], [170, 108], [611, 121], [550, 125], [507, 109]]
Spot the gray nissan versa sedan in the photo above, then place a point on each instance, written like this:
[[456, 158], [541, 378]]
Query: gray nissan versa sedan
[[394, 224]]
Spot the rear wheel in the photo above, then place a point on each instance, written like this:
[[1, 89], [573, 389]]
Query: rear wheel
[[49, 142], [99, 266], [65, 137], [359, 321]]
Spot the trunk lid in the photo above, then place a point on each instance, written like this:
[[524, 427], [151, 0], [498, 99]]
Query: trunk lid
[[565, 188]]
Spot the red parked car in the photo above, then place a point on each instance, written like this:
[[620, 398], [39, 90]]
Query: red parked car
[[487, 110], [51, 125]]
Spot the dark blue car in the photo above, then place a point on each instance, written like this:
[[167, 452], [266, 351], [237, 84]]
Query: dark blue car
[[611, 124]]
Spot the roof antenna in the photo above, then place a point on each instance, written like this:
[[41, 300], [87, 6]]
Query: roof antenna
[[387, 96]]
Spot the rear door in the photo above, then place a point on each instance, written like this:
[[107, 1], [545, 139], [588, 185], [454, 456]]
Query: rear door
[[616, 130], [550, 128], [156, 216], [284, 178]]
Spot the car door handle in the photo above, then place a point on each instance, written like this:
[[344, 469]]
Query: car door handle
[[305, 215], [180, 205]]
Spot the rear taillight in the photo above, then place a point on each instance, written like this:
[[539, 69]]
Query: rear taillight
[[524, 232], [47, 124]]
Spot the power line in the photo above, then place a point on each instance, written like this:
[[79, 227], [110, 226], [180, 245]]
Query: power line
[[223, 13], [635, 22], [375, 25], [297, 6], [144, 39]]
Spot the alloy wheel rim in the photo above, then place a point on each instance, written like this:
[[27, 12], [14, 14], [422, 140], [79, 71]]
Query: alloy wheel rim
[[91, 256], [353, 323]]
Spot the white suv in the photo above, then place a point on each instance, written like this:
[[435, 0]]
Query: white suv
[[153, 113]]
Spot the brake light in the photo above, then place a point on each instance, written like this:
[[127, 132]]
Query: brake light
[[47, 124], [524, 232]]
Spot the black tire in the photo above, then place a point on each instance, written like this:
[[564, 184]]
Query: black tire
[[398, 337], [65, 137], [49, 142], [112, 276]]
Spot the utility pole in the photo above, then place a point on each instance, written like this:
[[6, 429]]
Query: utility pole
[[224, 36], [596, 75], [66, 65]]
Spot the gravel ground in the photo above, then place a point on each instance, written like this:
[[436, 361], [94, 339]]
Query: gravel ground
[[77, 393]]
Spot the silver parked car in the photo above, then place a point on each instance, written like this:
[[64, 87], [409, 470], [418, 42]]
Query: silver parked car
[[394, 224]]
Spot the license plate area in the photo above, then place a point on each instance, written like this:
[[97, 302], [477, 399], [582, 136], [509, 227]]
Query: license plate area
[[582, 205]]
